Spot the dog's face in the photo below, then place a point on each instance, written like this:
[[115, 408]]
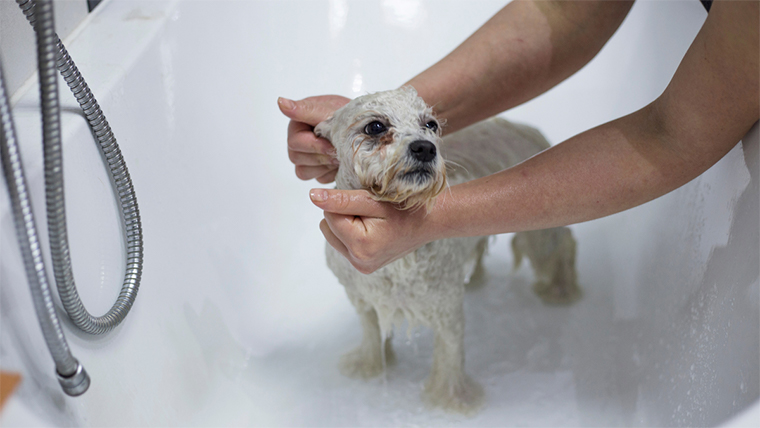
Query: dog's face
[[388, 143]]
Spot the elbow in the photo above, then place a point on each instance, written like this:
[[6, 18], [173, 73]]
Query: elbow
[[679, 146]]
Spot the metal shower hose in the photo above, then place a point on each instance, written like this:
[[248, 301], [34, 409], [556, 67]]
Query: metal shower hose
[[52, 54], [54, 184]]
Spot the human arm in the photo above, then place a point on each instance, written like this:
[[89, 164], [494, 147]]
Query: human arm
[[522, 51], [527, 48], [711, 102]]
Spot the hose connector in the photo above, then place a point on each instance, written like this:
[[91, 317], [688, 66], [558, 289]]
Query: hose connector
[[75, 384]]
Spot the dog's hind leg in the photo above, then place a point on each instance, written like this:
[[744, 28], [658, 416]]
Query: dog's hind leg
[[552, 254], [475, 276], [372, 356], [448, 386]]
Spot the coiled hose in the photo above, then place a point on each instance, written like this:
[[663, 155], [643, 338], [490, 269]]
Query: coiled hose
[[71, 375], [53, 55]]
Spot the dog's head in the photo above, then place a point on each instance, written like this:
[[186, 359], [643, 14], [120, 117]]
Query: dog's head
[[388, 143]]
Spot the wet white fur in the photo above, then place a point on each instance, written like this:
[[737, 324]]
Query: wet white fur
[[427, 286], [367, 163]]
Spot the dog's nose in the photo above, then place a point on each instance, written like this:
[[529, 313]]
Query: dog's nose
[[422, 150]]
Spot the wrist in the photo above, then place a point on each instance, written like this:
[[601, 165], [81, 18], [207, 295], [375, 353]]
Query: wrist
[[476, 208], [440, 221], [440, 98], [427, 93]]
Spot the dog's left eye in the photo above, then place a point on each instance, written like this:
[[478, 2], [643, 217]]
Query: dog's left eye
[[432, 125], [375, 128]]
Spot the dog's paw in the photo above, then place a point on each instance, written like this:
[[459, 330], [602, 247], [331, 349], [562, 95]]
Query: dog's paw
[[557, 293], [363, 363], [460, 395]]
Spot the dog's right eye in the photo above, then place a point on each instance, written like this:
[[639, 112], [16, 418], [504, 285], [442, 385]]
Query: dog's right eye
[[375, 128]]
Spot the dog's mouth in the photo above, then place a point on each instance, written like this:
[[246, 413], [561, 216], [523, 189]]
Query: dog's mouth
[[417, 176], [410, 188]]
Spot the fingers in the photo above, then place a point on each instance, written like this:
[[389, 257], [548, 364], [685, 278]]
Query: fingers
[[323, 174], [333, 240], [328, 178], [301, 138], [312, 159], [348, 202], [311, 110], [345, 233]]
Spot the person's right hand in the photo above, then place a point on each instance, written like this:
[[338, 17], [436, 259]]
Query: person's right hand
[[313, 157]]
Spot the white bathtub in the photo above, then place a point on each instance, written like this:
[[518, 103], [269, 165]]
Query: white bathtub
[[239, 322]]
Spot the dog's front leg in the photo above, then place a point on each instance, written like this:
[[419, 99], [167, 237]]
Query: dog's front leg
[[371, 357], [448, 386]]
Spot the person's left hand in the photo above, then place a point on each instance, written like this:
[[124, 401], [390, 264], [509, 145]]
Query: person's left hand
[[370, 234]]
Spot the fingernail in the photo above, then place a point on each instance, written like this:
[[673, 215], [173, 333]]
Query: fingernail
[[286, 103], [318, 195], [335, 161]]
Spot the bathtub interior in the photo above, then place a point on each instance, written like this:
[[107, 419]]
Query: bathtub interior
[[239, 321]]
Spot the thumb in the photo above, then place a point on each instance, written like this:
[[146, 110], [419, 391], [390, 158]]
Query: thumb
[[311, 110]]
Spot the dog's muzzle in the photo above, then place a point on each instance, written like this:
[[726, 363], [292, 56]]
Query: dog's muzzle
[[423, 151]]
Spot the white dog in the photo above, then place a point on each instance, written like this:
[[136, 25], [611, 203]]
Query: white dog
[[389, 143]]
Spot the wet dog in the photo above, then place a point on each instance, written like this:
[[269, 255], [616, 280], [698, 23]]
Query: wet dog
[[390, 144]]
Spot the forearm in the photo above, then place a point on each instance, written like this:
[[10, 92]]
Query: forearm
[[712, 101], [709, 105], [605, 170], [524, 50]]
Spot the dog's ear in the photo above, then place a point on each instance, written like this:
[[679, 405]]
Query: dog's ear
[[324, 129]]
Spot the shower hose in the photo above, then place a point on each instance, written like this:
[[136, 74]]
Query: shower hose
[[51, 54]]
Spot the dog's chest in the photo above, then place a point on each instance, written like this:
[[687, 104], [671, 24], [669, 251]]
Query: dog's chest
[[411, 287]]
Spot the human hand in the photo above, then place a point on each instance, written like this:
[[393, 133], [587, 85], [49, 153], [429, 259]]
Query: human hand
[[313, 157], [370, 234]]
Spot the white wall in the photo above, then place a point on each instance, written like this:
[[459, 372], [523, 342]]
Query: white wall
[[17, 45]]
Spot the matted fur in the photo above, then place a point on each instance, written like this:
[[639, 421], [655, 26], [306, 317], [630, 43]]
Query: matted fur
[[426, 286]]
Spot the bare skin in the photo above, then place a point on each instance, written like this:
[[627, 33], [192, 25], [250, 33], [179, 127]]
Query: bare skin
[[711, 102]]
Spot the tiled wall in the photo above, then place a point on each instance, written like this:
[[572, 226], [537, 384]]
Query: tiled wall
[[17, 45]]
